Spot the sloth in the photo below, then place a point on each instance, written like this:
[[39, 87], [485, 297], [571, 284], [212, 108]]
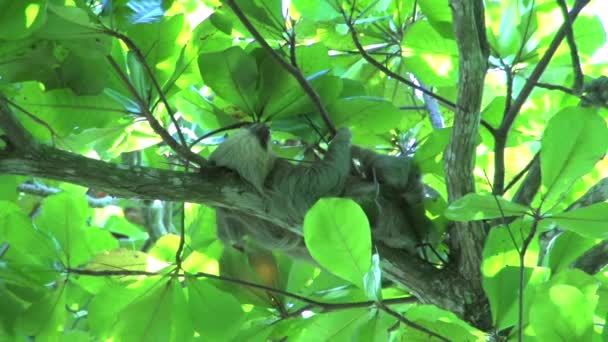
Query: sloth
[[388, 189]]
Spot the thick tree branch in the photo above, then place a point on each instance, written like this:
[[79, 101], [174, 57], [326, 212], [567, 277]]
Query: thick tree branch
[[467, 238], [594, 260], [212, 186], [17, 136]]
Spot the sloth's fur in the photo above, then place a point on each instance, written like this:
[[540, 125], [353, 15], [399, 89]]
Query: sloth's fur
[[387, 188]]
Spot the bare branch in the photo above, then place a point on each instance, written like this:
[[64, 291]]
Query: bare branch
[[576, 61], [513, 109], [594, 260], [39, 189], [466, 238], [348, 20]]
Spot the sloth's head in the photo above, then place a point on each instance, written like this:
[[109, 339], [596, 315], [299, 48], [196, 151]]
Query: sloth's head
[[248, 152]]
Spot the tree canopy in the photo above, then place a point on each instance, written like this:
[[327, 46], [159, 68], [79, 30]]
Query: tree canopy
[[109, 111]]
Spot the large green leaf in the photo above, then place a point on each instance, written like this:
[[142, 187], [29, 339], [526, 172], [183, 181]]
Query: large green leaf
[[65, 112], [216, 315], [287, 98], [502, 290], [30, 250], [160, 315], [502, 245], [571, 315], [440, 321], [439, 15], [574, 141], [233, 75], [18, 19], [64, 216], [317, 10], [566, 248], [589, 221], [472, 207], [337, 234], [430, 56], [374, 114], [45, 316]]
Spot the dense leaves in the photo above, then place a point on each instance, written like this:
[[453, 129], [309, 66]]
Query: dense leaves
[[98, 78]]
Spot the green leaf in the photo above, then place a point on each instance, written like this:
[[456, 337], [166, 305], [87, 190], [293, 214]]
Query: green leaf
[[233, 75], [574, 141], [312, 59], [322, 10], [440, 321], [375, 114], [502, 244], [286, 97], [338, 236], [30, 251], [566, 248], [45, 316], [18, 19], [161, 315], [64, 215], [502, 290], [430, 56], [217, 315], [159, 41], [334, 326], [473, 207], [65, 112], [589, 221], [374, 327], [439, 16], [571, 315]]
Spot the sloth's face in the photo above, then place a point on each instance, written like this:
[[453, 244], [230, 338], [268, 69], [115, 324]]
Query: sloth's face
[[248, 152], [262, 133]]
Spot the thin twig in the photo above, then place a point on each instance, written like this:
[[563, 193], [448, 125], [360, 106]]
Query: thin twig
[[181, 150], [519, 175], [142, 59], [576, 61], [449, 104], [35, 118], [539, 69], [514, 108], [325, 307]]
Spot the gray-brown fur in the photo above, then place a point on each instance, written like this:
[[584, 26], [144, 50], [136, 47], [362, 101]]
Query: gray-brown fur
[[387, 188]]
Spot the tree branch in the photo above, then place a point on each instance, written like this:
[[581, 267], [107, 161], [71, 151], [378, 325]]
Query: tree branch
[[142, 59], [212, 186], [576, 61], [502, 132], [348, 20], [181, 150], [467, 238]]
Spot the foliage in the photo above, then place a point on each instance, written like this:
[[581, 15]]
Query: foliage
[[128, 81]]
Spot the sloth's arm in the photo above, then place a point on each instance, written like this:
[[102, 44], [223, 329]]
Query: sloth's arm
[[393, 171], [326, 177]]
